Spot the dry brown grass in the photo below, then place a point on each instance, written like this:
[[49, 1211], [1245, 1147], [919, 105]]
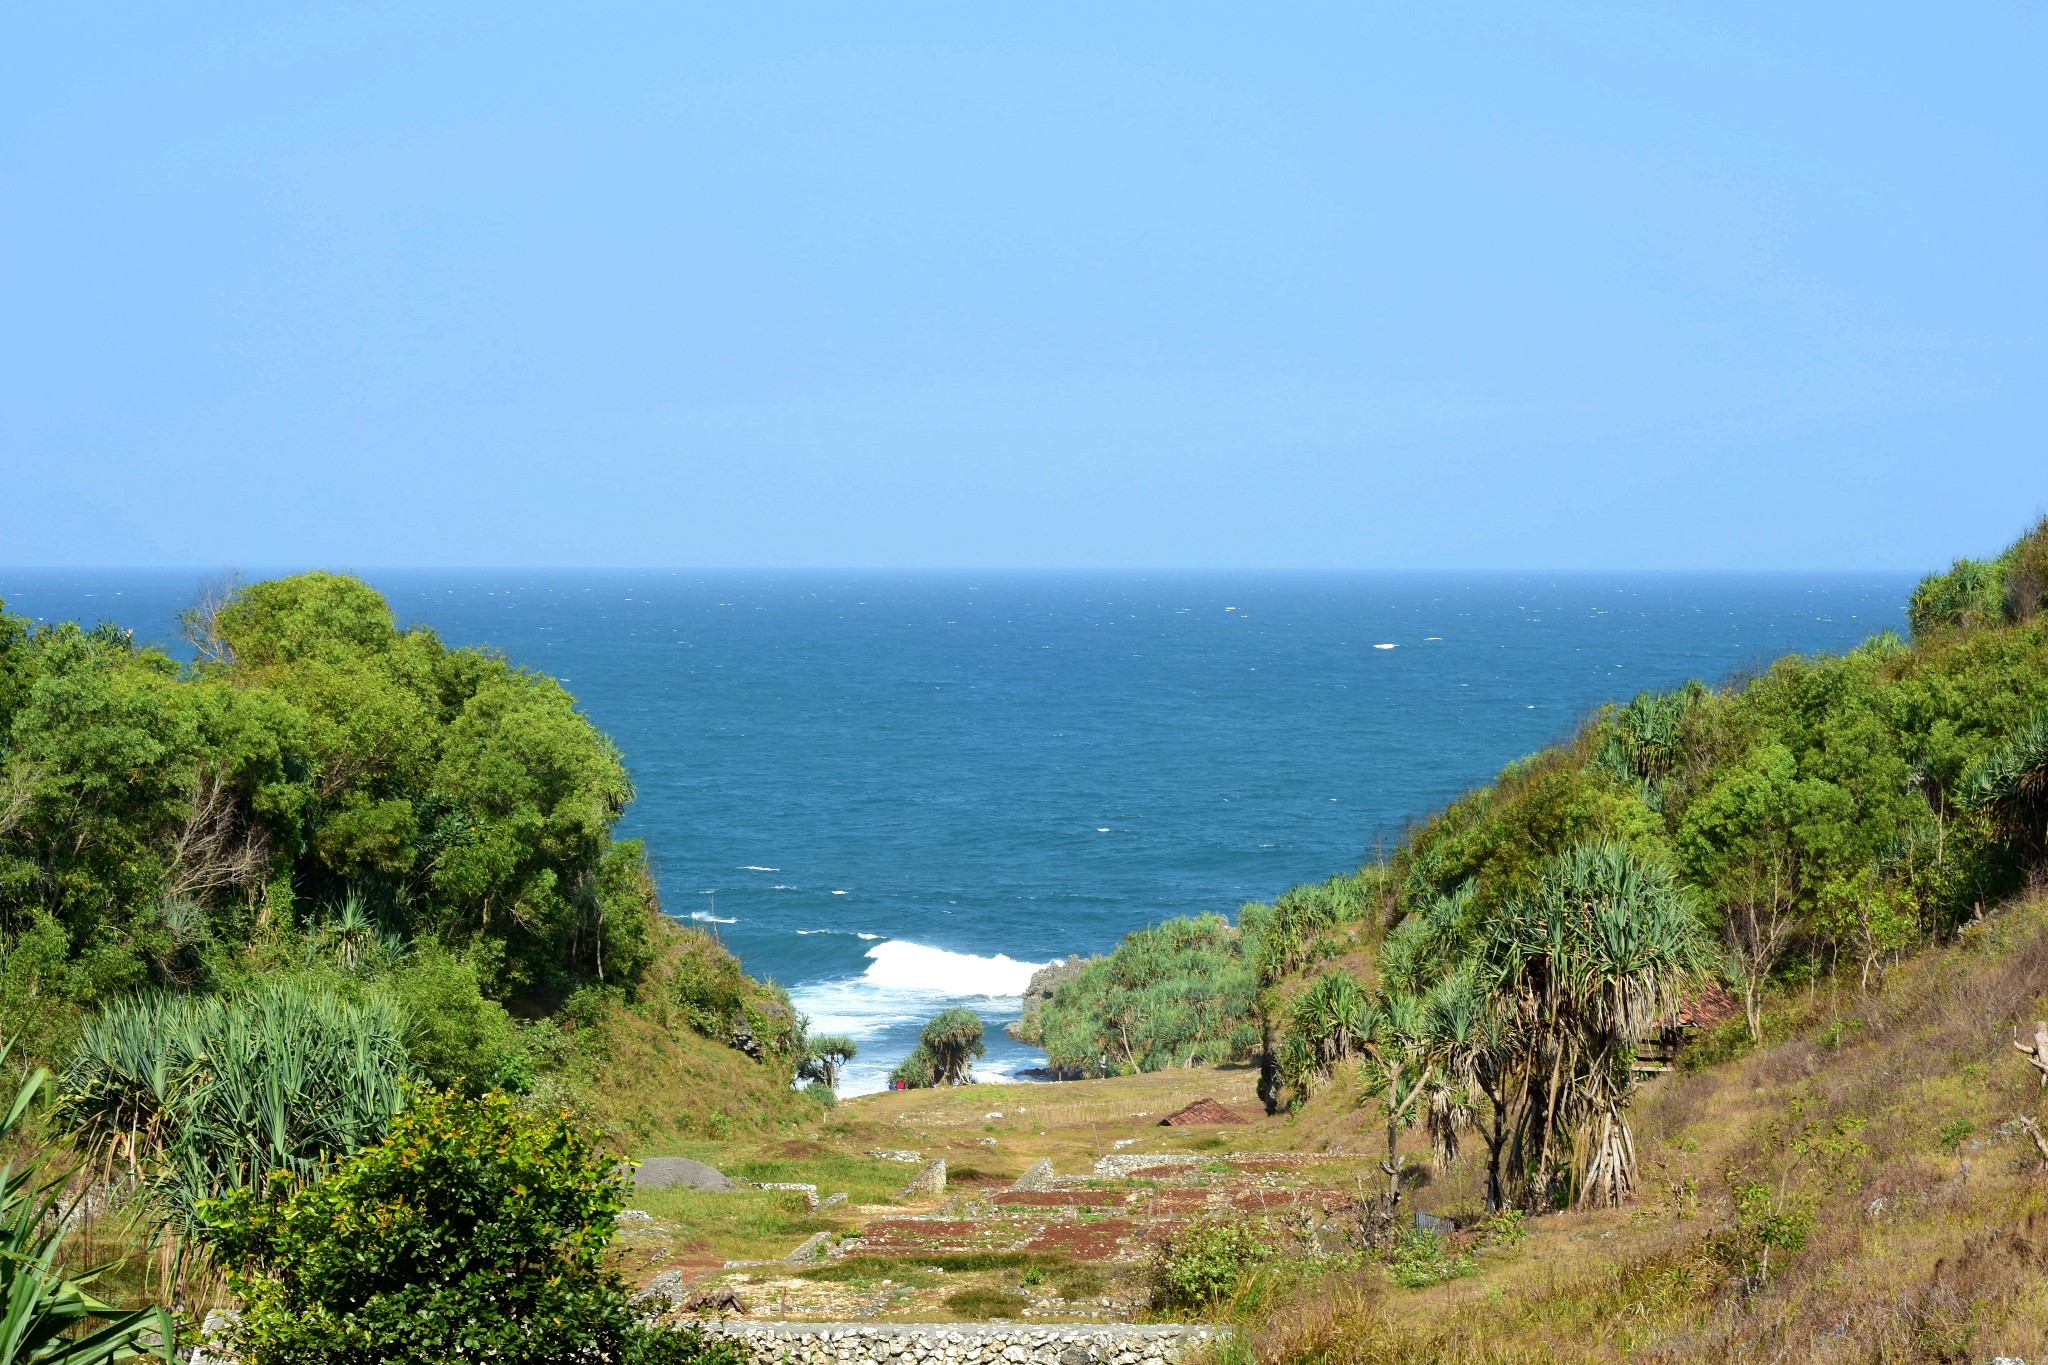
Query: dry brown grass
[[1886, 1115]]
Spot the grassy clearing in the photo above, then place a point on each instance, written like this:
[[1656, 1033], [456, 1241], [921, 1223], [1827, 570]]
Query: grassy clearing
[[736, 1225]]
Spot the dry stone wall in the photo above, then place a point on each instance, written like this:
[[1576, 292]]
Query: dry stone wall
[[825, 1343]]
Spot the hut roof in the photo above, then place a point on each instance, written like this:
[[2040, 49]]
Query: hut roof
[[1703, 1007], [1201, 1111]]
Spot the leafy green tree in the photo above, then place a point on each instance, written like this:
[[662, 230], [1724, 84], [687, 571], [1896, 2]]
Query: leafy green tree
[[475, 1231], [953, 1039], [828, 1056], [316, 756]]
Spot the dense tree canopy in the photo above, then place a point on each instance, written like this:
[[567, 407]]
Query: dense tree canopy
[[315, 756]]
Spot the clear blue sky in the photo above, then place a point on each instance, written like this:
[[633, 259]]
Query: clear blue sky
[[1346, 286]]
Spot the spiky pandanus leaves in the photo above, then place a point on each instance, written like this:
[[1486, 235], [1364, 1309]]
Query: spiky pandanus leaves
[[952, 1040], [195, 1096], [1432, 940], [1587, 963], [2011, 786], [49, 1316], [1643, 740], [1459, 1030], [1394, 1070], [1332, 1018]]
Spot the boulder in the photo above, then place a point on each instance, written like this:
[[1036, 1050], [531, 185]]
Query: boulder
[[662, 1172]]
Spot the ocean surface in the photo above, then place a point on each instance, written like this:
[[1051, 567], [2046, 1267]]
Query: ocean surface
[[897, 792]]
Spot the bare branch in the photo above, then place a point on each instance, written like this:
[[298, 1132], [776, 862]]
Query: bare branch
[[213, 849], [199, 624]]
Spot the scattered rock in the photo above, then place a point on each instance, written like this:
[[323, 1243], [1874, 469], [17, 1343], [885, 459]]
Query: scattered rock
[[832, 1200], [667, 1287], [811, 1249], [889, 1154], [663, 1172], [632, 1218], [928, 1182], [721, 1298]]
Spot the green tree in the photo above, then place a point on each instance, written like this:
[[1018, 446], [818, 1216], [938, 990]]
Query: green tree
[[828, 1055], [952, 1040], [1603, 948]]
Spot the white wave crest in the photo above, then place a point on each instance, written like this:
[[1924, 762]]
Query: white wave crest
[[902, 965], [706, 917], [751, 868]]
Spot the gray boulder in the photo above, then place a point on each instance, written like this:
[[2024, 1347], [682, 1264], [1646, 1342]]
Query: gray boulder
[[662, 1172]]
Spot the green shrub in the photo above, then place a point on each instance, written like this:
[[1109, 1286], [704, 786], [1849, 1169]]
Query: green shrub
[[456, 1035], [1205, 1265], [475, 1231], [687, 1345], [1423, 1258], [1174, 994], [199, 1096]]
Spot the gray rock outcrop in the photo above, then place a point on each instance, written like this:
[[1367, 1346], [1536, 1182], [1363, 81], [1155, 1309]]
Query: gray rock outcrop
[[1043, 983], [928, 1183]]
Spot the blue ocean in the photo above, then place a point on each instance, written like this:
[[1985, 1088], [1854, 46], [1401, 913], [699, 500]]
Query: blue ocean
[[897, 792]]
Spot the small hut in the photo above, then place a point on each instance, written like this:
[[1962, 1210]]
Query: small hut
[[1202, 1111]]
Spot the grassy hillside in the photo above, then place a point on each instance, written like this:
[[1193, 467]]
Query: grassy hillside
[[1859, 1187]]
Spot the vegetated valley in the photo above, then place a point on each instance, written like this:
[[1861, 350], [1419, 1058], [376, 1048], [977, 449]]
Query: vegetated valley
[[1707, 1034]]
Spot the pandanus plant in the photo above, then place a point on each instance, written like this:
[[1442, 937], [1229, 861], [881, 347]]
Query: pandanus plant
[[187, 1098], [2011, 786], [49, 1316], [1585, 966]]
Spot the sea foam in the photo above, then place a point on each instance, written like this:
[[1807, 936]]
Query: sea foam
[[902, 965]]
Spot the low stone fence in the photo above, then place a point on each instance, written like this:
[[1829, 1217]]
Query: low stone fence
[[964, 1343]]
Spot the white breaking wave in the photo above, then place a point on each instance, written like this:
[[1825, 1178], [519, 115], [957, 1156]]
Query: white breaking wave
[[902, 965], [1386, 646], [904, 985], [706, 917], [751, 868]]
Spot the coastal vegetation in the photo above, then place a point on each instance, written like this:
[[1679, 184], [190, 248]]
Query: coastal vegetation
[[945, 1052], [323, 797], [1497, 970], [475, 1231]]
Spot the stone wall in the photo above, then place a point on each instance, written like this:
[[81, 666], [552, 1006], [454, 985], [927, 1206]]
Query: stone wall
[[985, 1343]]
